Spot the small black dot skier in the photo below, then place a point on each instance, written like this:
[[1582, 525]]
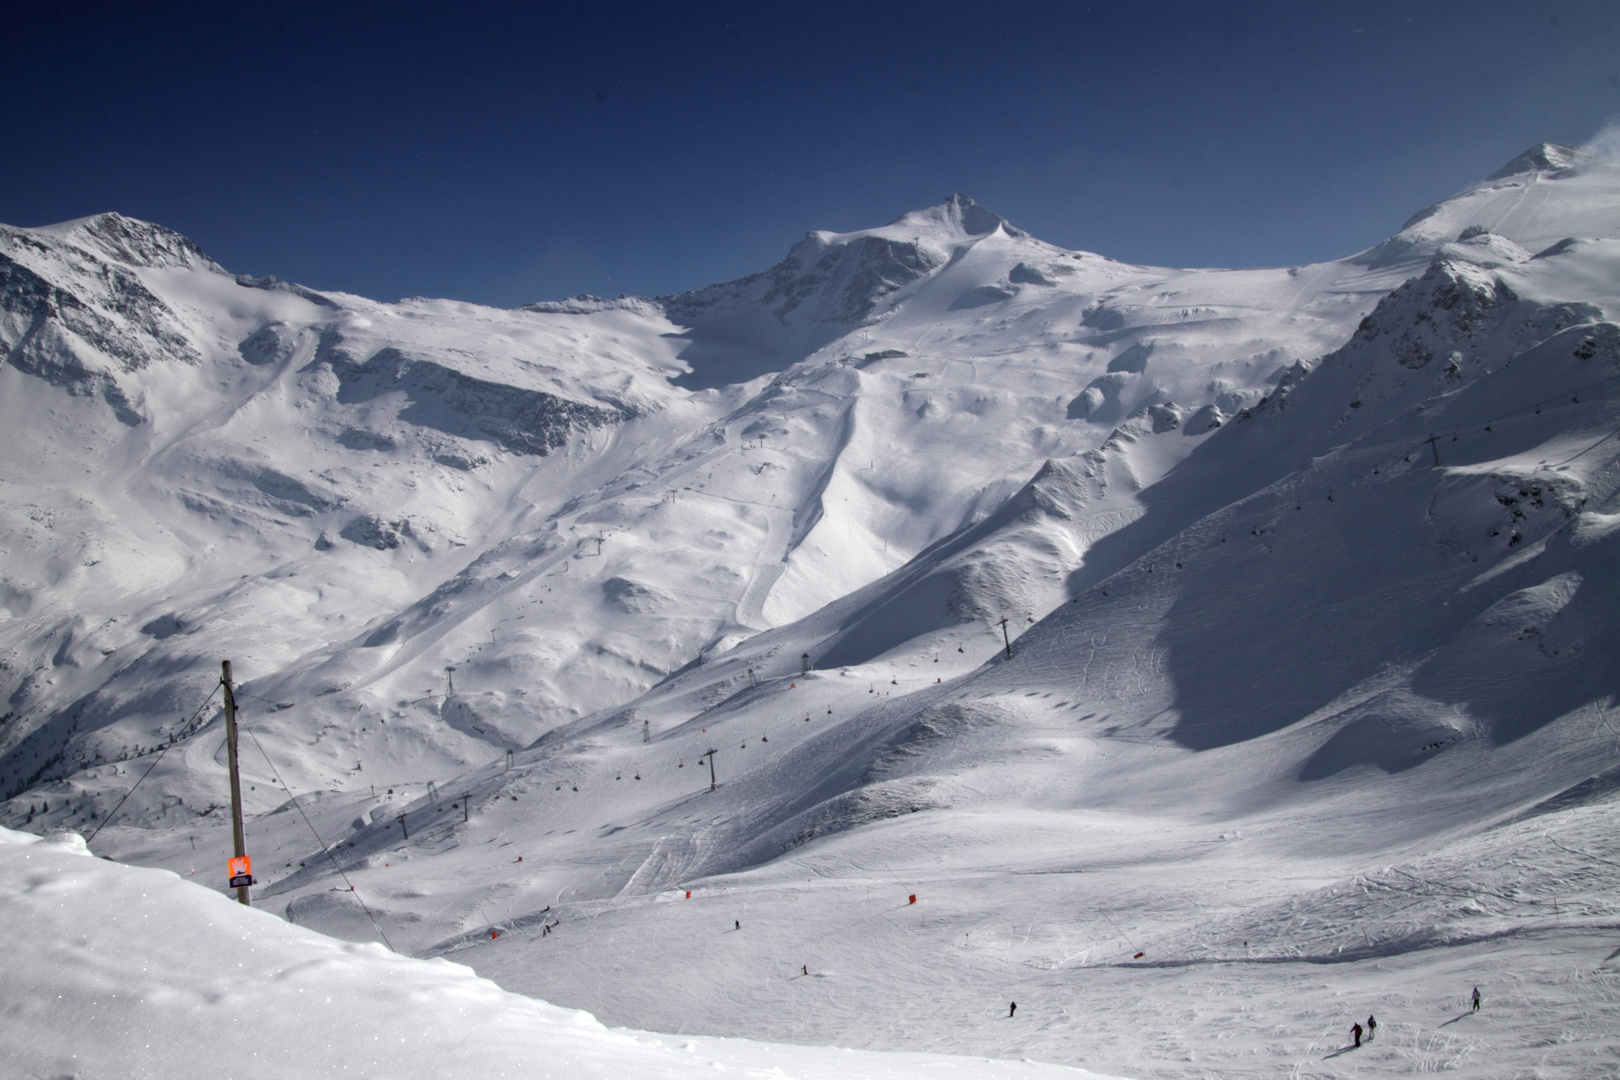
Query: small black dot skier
[[1372, 1028], [1476, 999], [1012, 1010], [1355, 1029], [737, 923], [805, 969]]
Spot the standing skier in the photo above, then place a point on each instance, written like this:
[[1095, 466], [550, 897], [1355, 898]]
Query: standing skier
[[1372, 1028], [1355, 1029], [1476, 999], [1012, 1010]]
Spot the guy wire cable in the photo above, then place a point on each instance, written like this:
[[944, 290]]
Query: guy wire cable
[[328, 851], [154, 764]]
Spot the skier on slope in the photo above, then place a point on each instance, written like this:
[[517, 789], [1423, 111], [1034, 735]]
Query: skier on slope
[[1355, 1030], [1476, 999], [1012, 1010], [1372, 1028]]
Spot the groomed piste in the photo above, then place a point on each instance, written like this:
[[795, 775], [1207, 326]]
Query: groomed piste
[[133, 973]]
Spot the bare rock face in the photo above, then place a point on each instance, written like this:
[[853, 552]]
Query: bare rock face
[[517, 419], [371, 531], [74, 311]]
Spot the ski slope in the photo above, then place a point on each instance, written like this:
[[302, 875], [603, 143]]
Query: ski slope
[[1217, 656], [131, 973]]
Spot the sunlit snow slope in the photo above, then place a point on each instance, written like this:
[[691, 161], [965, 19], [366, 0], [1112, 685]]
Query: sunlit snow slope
[[1198, 646], [122, 973]]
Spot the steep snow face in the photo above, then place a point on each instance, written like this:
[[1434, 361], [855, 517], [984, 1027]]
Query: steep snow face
[[1546, 194], [829, 284], [1370, 521], [1543, 157]]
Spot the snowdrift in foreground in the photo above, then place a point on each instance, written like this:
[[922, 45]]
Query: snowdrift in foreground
[[113, 971]]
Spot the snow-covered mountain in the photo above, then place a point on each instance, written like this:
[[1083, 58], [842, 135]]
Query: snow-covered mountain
[[1091, 603]]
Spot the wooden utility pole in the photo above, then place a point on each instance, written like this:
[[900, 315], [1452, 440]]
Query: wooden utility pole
[[236, 777], [1004, 636]]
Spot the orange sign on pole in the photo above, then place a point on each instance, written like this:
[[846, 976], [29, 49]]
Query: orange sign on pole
[[241, 872]]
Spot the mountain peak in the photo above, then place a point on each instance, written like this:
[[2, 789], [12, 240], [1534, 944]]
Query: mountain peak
[[958, 214], [130, 241], [1543, 156]]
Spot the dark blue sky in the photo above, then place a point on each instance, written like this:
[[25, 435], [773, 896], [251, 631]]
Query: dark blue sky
[[507, 153]]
